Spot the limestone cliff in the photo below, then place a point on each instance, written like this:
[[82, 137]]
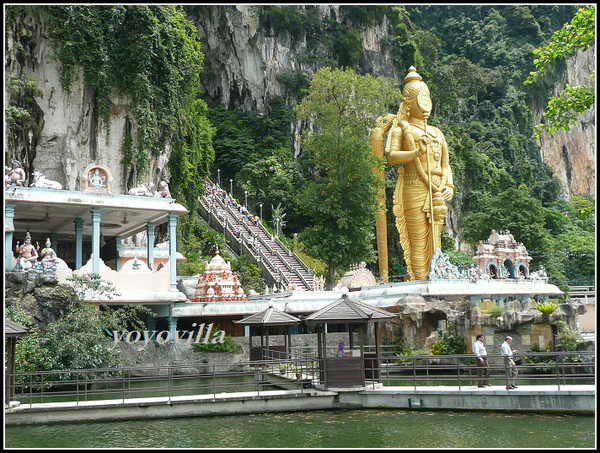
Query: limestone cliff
[[242, 65], [72, 136], [572, 154], [242, 61]]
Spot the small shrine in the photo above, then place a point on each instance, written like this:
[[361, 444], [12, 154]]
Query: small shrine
[[357, 277], [97, 178], [502, 257], [218, 283]]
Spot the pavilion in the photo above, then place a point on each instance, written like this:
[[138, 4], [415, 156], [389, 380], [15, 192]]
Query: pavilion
[[341, 369], [271, 317]]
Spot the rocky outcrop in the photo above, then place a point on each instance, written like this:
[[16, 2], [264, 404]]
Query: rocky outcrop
[[419, 317], [242, 61], [39, 295]]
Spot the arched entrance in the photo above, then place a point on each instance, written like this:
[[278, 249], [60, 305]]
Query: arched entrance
[[510, 267]]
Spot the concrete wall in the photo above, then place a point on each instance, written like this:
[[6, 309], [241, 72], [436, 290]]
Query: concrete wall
[[401, 398]]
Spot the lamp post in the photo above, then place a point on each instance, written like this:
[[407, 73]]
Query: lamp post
[[260, 205], [231, 188], [219, 177], [246, 199]]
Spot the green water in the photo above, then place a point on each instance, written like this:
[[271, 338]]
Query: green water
[[371, 428]]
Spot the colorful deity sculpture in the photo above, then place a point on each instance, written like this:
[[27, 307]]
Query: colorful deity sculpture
[[28, 255], [16, 175], [48, 256], [424, 182]]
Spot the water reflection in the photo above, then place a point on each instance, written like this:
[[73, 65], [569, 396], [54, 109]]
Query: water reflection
[[321, 429]]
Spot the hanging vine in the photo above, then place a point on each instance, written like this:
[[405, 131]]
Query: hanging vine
[[148, 55]]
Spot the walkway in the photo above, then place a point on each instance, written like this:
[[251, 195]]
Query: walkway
[[539, 398], [282, 269]]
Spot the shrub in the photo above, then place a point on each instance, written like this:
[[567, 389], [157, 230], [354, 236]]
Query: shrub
[[496, 311], [546, 307], [465, 306], [568, 338], [228, 345], [449, 343]]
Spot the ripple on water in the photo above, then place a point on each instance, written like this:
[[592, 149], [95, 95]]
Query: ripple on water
[[321, 429]]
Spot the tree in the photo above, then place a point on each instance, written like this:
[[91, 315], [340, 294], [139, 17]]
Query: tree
[[578, 35], [341, 196], [78, 340]]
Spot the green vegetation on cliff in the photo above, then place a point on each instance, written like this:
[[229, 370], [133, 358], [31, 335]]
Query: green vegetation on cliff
[[474, 59]]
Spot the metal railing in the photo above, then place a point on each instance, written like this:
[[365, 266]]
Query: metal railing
[[300, 369], [548, 368], [167, 382]]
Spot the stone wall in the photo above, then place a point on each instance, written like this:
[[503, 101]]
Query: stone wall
[[181, 354]]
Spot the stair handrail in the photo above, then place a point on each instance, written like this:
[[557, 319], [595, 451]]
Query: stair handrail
[[270, 268], [243, 221]]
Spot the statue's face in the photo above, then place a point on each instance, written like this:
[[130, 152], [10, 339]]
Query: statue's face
[[424, 100], [421, 107]]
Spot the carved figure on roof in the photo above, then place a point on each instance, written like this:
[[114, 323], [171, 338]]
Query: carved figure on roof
[[540, 274], [425, 180], [16, 175], [163, 187], [143, 190], [40, 180], [472, 273], [49, 256], [28, 255]]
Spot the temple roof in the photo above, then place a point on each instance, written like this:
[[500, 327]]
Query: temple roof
[[40, 210]]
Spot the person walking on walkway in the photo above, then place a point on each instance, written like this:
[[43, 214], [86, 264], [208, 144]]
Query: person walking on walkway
[[509, 363], [483, 368]]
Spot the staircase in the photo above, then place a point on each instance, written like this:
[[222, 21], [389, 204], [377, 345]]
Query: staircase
[[280, 267]]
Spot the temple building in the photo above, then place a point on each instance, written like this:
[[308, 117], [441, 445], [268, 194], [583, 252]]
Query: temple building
[[502, 257], [87, 229], [218, 284]]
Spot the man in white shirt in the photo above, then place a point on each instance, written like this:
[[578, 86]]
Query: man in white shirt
[[483, 368], [511, 367]]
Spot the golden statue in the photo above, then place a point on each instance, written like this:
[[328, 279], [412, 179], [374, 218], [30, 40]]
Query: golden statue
[[424, 178]]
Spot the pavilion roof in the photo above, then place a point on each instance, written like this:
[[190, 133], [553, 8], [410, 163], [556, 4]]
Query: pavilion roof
[[269, 317], [12, 329], [347, 310]]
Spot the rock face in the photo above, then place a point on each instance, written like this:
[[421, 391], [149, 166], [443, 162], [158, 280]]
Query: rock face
[[242, 62], [572, 154], [72, 136], [39, 295]]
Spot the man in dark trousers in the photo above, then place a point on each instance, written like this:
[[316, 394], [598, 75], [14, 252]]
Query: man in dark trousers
[[483, 368]]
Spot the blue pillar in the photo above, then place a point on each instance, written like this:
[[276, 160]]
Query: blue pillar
[[9, 215], [172, 325], [96, 240], [150, 250], [173, 250], [151, 323], [119, 245], [54, 240], [78, 243]]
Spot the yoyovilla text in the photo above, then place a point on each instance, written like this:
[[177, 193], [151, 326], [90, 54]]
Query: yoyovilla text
[[135, 336]]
